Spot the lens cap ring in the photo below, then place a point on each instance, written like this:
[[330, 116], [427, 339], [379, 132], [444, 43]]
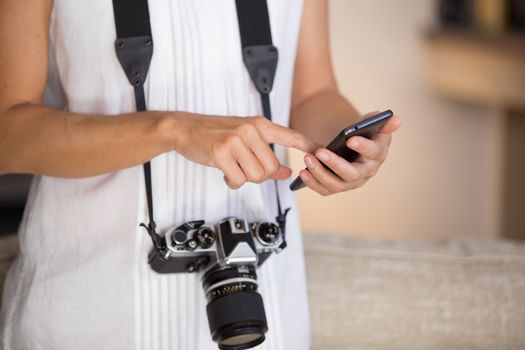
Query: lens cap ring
[[244, 346]]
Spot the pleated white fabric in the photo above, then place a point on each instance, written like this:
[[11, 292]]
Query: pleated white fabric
[[82, 280]]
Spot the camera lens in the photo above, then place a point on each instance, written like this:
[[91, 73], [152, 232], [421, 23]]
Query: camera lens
[[235, 310]]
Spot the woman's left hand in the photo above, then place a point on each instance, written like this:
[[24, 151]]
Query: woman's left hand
[[348, 176]]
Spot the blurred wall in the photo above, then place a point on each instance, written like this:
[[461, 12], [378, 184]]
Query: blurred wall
[[441, 177]]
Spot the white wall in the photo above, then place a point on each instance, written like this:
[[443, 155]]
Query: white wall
[[437, 180]]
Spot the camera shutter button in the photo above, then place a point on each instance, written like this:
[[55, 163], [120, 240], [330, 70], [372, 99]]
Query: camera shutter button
[[191, 244]]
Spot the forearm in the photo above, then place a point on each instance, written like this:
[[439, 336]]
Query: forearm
[[322, 115], [39, 140]]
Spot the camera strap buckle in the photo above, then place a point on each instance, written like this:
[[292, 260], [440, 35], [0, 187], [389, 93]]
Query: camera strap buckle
[[281, 221], [159, 242]]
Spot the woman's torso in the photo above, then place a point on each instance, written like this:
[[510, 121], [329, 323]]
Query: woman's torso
[[82, 278]]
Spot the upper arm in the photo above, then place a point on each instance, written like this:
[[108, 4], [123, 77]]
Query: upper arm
[[313, 66], [24, 26]]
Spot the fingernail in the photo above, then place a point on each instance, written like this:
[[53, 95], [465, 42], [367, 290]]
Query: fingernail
[[323, 156], [309, 162], [354, 144]]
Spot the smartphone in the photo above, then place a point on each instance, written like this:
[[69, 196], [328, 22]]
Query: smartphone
[[365, 128]]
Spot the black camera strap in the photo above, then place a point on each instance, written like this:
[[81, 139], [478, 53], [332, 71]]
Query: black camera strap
[[134, 48], [260, 58]]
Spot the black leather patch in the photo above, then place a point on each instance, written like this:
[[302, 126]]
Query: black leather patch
[[134, 55], [261, 62]]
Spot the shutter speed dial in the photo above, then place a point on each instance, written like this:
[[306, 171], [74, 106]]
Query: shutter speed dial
[[267, 233], [205, 237]]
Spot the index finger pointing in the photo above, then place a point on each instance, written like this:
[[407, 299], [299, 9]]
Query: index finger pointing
[[274, 133]]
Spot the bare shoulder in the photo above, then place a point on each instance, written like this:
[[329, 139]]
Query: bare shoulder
[[313, 67], [24, 26]]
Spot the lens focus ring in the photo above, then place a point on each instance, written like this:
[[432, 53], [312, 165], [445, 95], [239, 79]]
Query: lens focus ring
[[237, 321]]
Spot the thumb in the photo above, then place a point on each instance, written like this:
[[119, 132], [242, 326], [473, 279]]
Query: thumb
[[392, 125]]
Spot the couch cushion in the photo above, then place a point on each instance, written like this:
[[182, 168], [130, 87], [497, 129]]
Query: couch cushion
[[464, 294]]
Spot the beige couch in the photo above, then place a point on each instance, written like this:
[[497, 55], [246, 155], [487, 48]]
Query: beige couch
[[463, 294]]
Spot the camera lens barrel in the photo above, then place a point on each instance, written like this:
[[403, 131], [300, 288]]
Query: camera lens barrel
[[237, 321], [235, 310]]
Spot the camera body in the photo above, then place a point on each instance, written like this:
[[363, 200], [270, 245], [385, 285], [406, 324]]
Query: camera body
[[194, 247], [228, 253]]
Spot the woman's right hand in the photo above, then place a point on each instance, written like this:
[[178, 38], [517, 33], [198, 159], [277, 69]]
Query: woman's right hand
[[238, 146]]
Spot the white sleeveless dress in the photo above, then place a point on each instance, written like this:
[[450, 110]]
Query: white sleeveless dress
[[82, 280]]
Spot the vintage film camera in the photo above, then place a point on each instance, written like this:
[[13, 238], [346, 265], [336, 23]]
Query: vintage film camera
[[228, 254]]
